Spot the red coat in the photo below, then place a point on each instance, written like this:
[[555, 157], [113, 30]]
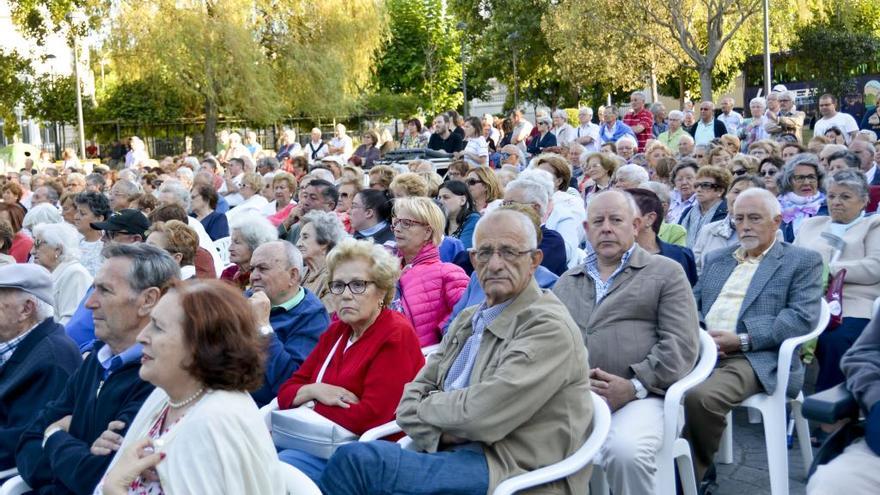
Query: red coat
[[21, 247], [375, 369]]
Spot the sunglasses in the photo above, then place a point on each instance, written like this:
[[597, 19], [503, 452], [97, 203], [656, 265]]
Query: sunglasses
[[706, 185], [768, 173], [473, 182], [740, 171]]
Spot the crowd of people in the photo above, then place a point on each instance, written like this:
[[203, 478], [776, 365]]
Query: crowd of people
[[152, 307]]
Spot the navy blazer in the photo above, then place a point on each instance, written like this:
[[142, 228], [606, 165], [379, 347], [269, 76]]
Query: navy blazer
[[782, 301], [539, 143], [35, 374], [684, 257]]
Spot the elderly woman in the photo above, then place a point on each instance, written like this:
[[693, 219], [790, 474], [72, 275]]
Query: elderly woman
[[768, 170], [801, 195], [199, 431], [356, 373], [56, 248], [682, 196], [847, 240], [654, 152], [763, 148], [283, 187], [743, 165], [247, 233], [321, 232], [719, 157], [91, 207], [413, 138], [40, 214], [476, 152], [671, 137], [428, 287], [629, 176], [381, 177], [178, 240], [458, 169], [370, 216], [710, 184], [730, 143], [204, 204], [484, 188], [368, 151], [408, 185], [251, 184], [544, 138], [600, 168], [753, 128], [12, 193], [461, 217], [722, 233]]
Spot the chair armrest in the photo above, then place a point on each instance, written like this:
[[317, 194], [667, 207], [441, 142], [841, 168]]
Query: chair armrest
[[675, 393], [831, 405], [788, 346], [380, 431], [14, 486]]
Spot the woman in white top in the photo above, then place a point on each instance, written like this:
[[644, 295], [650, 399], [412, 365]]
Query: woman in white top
[[476, 152], [199, 431], [56, 248], [91, 207], [251, 184]]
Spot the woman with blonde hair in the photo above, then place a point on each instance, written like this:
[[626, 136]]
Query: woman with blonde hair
[[599, 168], [180, 241], [484, 188], [408, 185]]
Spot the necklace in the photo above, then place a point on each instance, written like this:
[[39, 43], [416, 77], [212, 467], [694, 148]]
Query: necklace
[[178, 405]]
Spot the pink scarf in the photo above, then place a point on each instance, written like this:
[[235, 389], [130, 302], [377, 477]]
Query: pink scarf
[[796, 207]]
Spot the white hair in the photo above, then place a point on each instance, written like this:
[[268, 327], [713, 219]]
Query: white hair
[[562, 114], [41, 214], [177, 189], [192, 161], [525, 224], [760, 100], [686, 137], [585, 111], [291, 254], [676, 114], [632, 173], [129, 175], [533, 192], [639, 95], [323, 174], [658, 188], [185, 173], [628, 139], [540, 176], [254, 228], [633, 206], [61, 236], [765, 196]]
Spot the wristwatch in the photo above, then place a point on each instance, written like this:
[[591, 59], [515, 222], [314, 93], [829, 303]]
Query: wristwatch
[[51, 431], [641, 391], [744, 343]]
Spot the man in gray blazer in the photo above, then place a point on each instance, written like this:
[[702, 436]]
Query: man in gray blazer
[[751, 297], [639, 321]]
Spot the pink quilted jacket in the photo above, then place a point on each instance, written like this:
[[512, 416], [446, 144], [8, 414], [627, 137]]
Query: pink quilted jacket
[[429, 289]]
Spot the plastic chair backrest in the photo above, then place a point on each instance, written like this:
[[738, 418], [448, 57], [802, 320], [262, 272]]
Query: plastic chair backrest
[[786, 350], [675, 393]]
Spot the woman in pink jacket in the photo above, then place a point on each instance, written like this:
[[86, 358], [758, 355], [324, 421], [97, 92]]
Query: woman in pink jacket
[[428, 288]]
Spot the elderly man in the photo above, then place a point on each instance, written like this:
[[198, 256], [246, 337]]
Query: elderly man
[[563, 131], [788, 120], [731, 119], [443, 139], [707, 127], [319, 195], [865, 152], [126, 226], [612, 129], [640, 120], [173, 192], [123, 193], [587, 133], [639, 322], [751, 297], [105, 392], [626, 148], [660, 125], [532, 193], [44, 194], [36, 357], [686, 146], [522, 129], [291, 314], [316, 148], [506, 393], [832, 118]]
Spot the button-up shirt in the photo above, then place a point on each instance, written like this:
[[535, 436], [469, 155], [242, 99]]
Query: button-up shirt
[[705, 133], [7, 349], [459, 375], [725, 311], [592, 266], [112, 362]]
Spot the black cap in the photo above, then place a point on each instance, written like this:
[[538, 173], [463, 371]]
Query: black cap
[[129, 221]]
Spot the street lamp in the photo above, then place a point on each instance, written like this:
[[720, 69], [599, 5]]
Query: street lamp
[[513, 38], [461, 27], [76, 19]]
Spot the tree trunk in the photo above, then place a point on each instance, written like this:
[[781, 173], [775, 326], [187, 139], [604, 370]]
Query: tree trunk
[[681, 89], [209, 140], [706, 83], [653, 79]]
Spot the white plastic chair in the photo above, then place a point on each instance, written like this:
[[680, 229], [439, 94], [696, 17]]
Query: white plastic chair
[[14, 486], [570, 465], [772, 409], [296, 482], [222, 247], [674, 450], [8, 473]]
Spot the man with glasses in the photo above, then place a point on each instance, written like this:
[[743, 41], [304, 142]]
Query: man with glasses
[[707, 127], [318, 195], [788, 120], [506, 393], [832, 118], [639, 321], [289, 314]]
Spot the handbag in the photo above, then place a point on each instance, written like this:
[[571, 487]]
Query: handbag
[[304, 429], [834, 297]]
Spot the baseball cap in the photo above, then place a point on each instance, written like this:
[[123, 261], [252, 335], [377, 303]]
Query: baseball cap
[[129, 221]]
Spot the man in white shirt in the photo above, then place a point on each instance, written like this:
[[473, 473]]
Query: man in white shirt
[[232, 182], [587, 133], [731, 119], [341, 143], [832, 118], [521, 129], [316, 149], [563, 131]]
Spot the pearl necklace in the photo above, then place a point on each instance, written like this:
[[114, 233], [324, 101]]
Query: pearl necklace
[[178, 405]]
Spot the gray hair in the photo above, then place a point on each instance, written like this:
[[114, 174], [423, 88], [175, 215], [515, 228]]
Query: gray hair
[[533, 190], [60, 236], [686, 137], [852, 161], [269, 162], [632, 173], [192, 161], [178, 190], [868, 133], [562, 114], [41, 214], [542, 177], [765, 196], [676, 114], [51, 193], [585, 111], [329, 230], [633, 206], [628, 139], [128, 188], [525, 224], [128, 174], [292, 255], [543, 119], [852, 179], [658, 188], [254, 228], [640, 95], [658, 107], [760, 100], [150, 266], [784, 180]]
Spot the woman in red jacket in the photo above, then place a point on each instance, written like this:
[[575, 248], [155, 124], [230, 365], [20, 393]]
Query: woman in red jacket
[[13, 215], [371, 351]]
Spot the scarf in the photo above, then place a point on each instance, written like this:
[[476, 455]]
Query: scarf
[[796, 207]]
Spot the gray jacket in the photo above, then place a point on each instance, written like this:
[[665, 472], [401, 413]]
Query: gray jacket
[[782, 301], [861, 365]]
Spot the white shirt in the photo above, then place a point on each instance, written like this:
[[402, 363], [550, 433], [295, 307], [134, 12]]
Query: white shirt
[[705, 132], [732, 121], [477, 146], [565, 135], [871, 173], [70, 281], [521, 131], [344, 143], [255, 203], [843, 121], [319, 149], [591, 130], [234, 199]]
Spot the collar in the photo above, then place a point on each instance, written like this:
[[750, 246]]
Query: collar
[[704, 124], [105, 355], [740, 255], [293, 301], [373, 230], [593, 258], [503, 324], [490, 313]]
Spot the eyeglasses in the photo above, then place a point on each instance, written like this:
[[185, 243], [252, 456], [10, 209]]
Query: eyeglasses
[[405, 223], [508, 202], [483, 255], [804, 178], [355, 286], [768, 173], [739, 171], [473, 182], [706, 185]]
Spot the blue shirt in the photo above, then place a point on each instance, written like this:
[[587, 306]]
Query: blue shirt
[[592, 266], [111, 362], [7, 349], [459, 376]]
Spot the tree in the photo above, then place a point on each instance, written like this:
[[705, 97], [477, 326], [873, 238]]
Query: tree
[[14, 87], [145, 100], [421, 57], [37, 18], [54, 100]]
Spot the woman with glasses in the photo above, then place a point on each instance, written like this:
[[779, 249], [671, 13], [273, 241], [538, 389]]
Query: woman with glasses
[[461, 217], [599, 170], [429, 288], [321, 231], [370, 216], [709, 186], [484, 188], [801, 194], [544, 139], [368, 354], [743, 165], [767, 170], [682, 196]]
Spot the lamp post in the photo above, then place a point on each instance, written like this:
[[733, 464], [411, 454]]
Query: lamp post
[[767, 74], [75, 19], [513, 38], [461, 27]]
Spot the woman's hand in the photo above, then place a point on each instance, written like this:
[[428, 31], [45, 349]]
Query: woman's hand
[[137, 460], [329, 395]]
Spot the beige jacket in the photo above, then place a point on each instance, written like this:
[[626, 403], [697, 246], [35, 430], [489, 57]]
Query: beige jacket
[[860, 257], [645, 327], [528, 401]]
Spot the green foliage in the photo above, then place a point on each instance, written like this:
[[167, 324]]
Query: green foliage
[[422, 56], [37, 18], [14, 87], [830, 54], [149, 100], [389, 105], [54, 100]]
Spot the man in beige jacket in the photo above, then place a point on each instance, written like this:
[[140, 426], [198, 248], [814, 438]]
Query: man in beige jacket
[[507, 393], [639, 321]]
